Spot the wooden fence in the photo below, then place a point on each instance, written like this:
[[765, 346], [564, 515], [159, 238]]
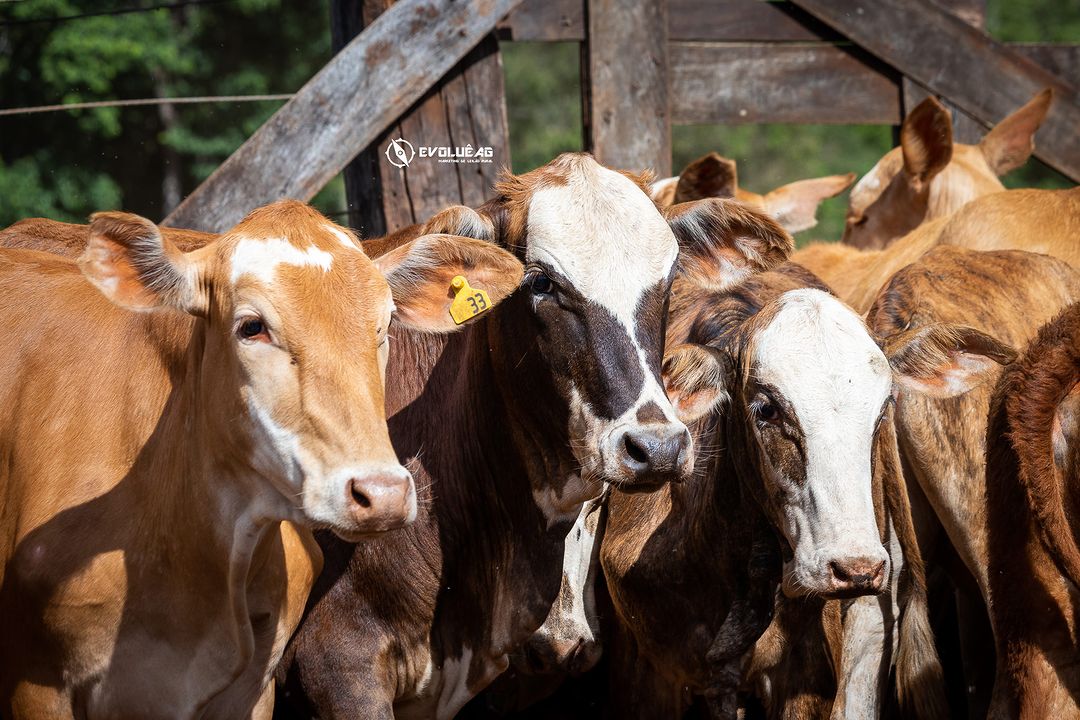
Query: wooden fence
[[430, 71]]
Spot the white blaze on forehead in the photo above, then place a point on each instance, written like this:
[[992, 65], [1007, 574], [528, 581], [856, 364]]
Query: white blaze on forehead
[[260, 258], [604, 235], [819, 357]]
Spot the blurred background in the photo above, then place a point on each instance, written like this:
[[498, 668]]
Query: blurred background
[[65, 165]]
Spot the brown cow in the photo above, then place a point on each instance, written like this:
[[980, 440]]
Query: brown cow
[[1007, 293], [794, 206], [1032, 481], [929, 176], [161, 422], [563, 382], [1000, 221]]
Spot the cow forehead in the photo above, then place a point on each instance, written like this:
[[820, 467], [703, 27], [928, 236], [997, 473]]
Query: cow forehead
[[602, 233], [260, 258], [870, 186], [818, 354]]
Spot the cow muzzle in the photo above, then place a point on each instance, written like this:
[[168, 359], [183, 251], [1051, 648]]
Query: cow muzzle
[[645, 456], [374, 500]]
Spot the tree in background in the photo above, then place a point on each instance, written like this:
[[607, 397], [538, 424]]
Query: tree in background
[[66, 165]]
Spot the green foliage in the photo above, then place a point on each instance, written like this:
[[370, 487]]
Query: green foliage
[[543, 101]]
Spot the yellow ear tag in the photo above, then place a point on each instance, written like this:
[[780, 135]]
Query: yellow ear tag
[[468, 301]]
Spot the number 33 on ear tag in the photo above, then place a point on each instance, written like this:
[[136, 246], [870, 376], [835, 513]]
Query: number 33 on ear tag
[[468, 301]]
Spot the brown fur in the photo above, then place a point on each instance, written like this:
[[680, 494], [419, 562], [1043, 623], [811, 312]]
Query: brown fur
[[930, 177]]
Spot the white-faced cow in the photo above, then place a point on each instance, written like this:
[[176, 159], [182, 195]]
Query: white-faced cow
[[159, 424], [510, 427]]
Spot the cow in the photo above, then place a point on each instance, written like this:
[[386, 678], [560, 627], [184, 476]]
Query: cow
[[796, 373], [173, 426], [929, 176], [794, 206], [1032, 478], [1008, 294], [1001, 221], [563, 382]]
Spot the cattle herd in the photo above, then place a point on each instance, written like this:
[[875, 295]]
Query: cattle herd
[[666, 466]]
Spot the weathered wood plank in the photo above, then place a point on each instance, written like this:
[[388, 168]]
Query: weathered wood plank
[[1062, 60], [966, 129], [629, 117], [345, 106], [545, 20], [731, 84], [981, 76]]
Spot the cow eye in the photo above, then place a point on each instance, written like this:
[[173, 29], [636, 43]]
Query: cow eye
[[252, 328], [768, 412], [540, 284]]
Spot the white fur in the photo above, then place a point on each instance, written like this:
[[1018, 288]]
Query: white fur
[[870, 182], [660, 186], [342, 236], [819, 356], [260, 258]]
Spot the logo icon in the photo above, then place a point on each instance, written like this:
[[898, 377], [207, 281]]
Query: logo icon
[[400, 153]]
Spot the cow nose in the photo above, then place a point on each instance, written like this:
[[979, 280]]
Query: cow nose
[[861, 575], [654, 454], [380, 501]]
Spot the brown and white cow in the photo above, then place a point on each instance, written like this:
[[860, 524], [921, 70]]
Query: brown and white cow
[[164, 424], [510, 427], [804, 441], [794, 206], [929, 176], [1032, 480]]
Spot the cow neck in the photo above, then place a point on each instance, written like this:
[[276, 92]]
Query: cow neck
[[193, 473]]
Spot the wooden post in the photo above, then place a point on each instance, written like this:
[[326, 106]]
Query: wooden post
[[340, 111], [466, 107], [629, 114], [966, 129]]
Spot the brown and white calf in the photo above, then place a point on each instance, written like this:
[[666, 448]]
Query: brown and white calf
[[804, 444], [794, 206], [163, 426], [929, 176], [509, 428], [1032, 480]]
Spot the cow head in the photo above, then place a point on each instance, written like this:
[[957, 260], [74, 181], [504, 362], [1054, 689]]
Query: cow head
[[291, 345], [929, 176], [794, 206], [806, 390]]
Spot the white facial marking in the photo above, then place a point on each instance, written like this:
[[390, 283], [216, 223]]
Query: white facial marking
[[870, 182], [819, 357], [260, 258]]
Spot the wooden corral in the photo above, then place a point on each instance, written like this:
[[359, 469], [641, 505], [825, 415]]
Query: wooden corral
[[430, 71]]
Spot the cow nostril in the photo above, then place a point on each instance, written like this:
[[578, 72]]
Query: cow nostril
[[358, 495], [839, 572], [634, 450]]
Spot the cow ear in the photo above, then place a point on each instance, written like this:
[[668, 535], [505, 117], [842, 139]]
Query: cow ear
[[460, 220], [696, 378], [706, 177], [795, 205], [1010, 143], [926, 140], [723, 241], [129, 261], [420, 274], [944, 361]]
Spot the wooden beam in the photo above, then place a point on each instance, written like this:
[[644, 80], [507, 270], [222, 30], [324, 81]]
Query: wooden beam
[[732, 84], [966, 129], [345, 106], [629, 118], [952, 59], [550, 20]]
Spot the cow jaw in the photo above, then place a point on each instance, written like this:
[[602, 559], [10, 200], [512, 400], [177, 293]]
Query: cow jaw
[[826, 384], [611, 256]]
